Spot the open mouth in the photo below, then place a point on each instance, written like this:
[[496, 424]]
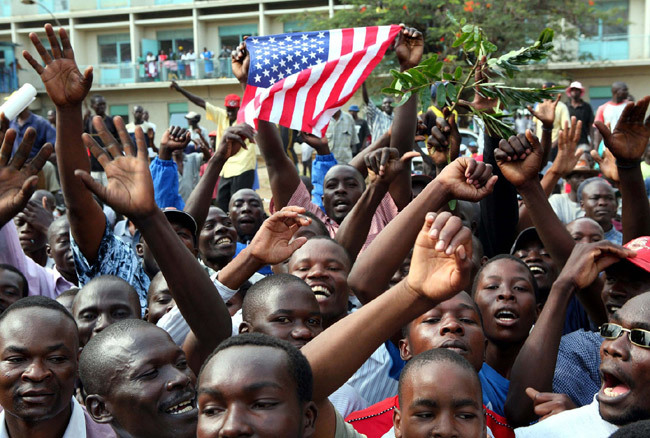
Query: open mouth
[[321, 292], [537, 270], [341, 205], [181, 408], [506, 317], [224, 241], [613, 387]]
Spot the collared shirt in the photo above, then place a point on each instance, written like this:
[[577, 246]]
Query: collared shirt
[[584, 422], [576, 368], [614, 236], [41, 281], [385, 212], [378, 121], [44, 133], [243, 160], [114, 257], [80, 425], [341, 137], [495, 389], [121, 231], [565, 209], [190, 176]]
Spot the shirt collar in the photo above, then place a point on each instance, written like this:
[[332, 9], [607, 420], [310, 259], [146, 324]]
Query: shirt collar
[[76, 426]]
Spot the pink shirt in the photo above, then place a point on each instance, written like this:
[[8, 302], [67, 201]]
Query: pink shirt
[[385, 212]]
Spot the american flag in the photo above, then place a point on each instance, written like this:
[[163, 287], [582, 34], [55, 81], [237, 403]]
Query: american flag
[[299, 80]]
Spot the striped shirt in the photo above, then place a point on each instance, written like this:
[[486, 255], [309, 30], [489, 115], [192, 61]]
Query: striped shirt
[[378, 121]]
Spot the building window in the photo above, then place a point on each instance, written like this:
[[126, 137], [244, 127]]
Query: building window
[[599, 95], [111, 4], [177, 113], [114, 49], [120, 110], [607, 40], [231, 36], [294, 26], [177, 41]]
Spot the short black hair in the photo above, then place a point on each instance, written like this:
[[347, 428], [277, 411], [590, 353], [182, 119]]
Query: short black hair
[[589, 181], [507, 257], [95, 359], [6, 267], [329, 239], [437, 355], [637, 429], [297, 364], [72, 292], [318, 222], [257, 294], [110, 279], [357, 174], [42, 303]]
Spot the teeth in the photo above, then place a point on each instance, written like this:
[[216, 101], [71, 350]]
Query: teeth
[[321, 290], [224, 240], [609, 392], [181, 408], [536, 270], [507, 315]]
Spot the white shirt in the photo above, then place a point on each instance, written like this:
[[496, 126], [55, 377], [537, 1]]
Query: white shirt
[[76, 426], [584, 422], [391, 433]]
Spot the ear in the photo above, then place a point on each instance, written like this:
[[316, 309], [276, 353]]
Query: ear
[[96, 407], [246, 327], [139, 249], [48, 250], [484, 260], [146, 314], [405, 349], [397, 423], [309, 415]]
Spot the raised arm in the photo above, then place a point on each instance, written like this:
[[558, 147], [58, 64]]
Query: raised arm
[[196, 100], [233, 139], [67, 87], [130, 192], [386, 165], [164, 171], [540, 350], [463, 179], [627, 143], [545, 113], [439, 269]]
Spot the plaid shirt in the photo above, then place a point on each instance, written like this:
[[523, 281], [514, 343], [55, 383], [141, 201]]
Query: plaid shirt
[[576, 369]]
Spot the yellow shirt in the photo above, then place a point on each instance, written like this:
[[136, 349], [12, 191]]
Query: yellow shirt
[[561, 116], [244, 159]]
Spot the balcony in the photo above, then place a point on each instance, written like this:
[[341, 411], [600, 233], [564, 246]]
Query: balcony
[[116, 75], [602, 51], [606, 48]]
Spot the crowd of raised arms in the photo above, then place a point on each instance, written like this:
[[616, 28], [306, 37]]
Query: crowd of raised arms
[[501, 293]]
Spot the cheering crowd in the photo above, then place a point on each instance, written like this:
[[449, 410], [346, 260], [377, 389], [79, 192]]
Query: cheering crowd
[[470, 302]]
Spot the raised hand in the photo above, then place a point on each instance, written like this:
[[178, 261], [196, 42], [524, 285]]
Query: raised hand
[[174, 138], [520, 158], [549, 403], [587, 260], [273, 242], [130, 187], [409, 47], [467, 179], [386, 163], [444, 139], [630, 137], [441, 261], [37, 216], [233, 139], [545, 111], [17, 179], [607, 164], [480, 102], [174, 86], [319, 144], [240, 61], [567, 142], [64, 83]]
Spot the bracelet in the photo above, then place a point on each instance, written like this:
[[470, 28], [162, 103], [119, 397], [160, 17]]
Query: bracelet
[[544, 128], [628, 164]]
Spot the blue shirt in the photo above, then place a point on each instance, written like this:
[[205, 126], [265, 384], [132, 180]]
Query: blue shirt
[[576, 369], [265, 270], [165, 184], [114, 257], [45, 133], [495, 389], [319, 168], [614, 236]]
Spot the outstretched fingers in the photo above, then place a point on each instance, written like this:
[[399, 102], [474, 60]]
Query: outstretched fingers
[[54, 43], [91, 184], [24, 149], [7, 147], [110, 143], [41, 157], [98, 152]]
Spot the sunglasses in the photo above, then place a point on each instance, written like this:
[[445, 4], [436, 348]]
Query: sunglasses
[[638, 337]]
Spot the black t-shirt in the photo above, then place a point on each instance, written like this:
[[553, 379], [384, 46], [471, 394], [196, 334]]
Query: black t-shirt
[[90, 129], [585, 113]]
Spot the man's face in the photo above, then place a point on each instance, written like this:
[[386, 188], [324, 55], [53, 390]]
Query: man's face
[[575, 93], [232, 113], [137, 114], [160, 301], [38, 364], [506, 298], [625, 368], [575, 179], [152, 388], [599, 203], [51, 117], [247, 391], [246, 212], [342, 189], [31, 238], [623, 281], [218, 237], [387, 105], [453, 324], [539, 262], [585, 230], [354, 114], [11, 288], [58, 248], [186, 236], [99, 106], [101, 305], [291, 314], [325, 267], [620, 93], [440, 399]]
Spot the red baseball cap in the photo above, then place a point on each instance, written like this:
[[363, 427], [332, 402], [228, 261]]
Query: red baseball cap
[[642, 247], [232, 101]]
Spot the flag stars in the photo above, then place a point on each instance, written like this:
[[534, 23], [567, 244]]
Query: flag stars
[[321, 34], [266, 72], [271, 40], [304, 36], [258, 78]]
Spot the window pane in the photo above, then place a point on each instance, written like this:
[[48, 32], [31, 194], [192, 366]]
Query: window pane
[[108, 53], [125, 52]]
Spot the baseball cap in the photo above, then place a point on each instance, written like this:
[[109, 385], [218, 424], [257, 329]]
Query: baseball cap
[[180, 217], [642, 247], [212, 134], [583, 167], [192, 115], [527, 235], [232, 101], [578, 85], [354, 108]]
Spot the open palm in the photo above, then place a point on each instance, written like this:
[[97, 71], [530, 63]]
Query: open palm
[[273, 242], [630, 137]]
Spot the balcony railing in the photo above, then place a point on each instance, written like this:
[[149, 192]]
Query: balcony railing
[[108, 75], [605, 48]]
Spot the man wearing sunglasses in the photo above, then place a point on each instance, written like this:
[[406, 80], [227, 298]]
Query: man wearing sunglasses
[[624, 394]]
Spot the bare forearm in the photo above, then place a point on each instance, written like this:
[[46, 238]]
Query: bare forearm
[[402, 138], [199, 202], [539, 353], [196, 100], [546, 143], [86, 217], [240, 269], [354, 230], [636, 212], [283, 175], [358, 160], [392, 245], [548, 184], [370, 326]]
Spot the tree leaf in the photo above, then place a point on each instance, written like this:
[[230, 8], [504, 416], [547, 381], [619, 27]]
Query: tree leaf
[[405, 98], [441, 96], [458, 73]]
